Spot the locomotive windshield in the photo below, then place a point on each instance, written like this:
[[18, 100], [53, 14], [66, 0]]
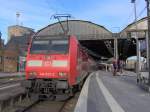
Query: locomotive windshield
[[49, 46]]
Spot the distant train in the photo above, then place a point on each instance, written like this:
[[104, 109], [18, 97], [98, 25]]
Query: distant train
[[55, 67], [132, 61]]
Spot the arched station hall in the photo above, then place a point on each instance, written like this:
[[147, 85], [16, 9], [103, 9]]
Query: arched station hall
[[99, 40]]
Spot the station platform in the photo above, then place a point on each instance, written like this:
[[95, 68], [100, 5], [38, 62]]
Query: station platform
[[103, 92], [17, 74]]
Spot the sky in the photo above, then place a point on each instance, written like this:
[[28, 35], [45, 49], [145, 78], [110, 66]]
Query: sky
[[112, 14]]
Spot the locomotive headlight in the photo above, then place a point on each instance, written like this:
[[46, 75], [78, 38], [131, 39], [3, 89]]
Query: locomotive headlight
[[36, 63], [62, 74], [32, 75], [59, 63]]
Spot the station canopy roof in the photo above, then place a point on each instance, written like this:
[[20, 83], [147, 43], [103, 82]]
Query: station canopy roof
[[84, 30], [140, 27]]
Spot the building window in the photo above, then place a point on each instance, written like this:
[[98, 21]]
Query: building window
[[0, 59]]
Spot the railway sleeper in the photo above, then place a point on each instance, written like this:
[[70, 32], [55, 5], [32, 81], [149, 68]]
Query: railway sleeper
[[9, 101]]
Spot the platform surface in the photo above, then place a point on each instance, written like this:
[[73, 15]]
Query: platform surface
[[103, 92], [3, 75]]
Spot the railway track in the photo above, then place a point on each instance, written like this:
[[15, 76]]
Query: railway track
[[9, 85], [45, 106], [11, 80]]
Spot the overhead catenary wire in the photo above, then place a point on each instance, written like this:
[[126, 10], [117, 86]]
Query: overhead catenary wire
[[142, 11]]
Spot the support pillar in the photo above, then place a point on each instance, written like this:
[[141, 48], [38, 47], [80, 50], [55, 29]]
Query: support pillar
[[116, 48], [147, 51]]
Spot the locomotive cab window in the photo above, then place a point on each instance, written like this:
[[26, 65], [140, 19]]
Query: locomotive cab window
[[59, 46], [49, 46]]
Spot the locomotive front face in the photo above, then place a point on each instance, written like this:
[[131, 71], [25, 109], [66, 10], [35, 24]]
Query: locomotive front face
[[48, 58], [51, 66]]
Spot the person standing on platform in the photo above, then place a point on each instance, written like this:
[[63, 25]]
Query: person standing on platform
[[120, 66], [114, 67]]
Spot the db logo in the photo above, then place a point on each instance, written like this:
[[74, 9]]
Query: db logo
[[47, 57]]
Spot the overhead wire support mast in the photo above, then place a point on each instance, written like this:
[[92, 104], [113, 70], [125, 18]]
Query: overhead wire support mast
[[17, 18], [148, 16], [137, 42]]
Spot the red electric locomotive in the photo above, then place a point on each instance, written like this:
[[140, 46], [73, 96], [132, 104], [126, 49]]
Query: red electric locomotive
[[55, 66]]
